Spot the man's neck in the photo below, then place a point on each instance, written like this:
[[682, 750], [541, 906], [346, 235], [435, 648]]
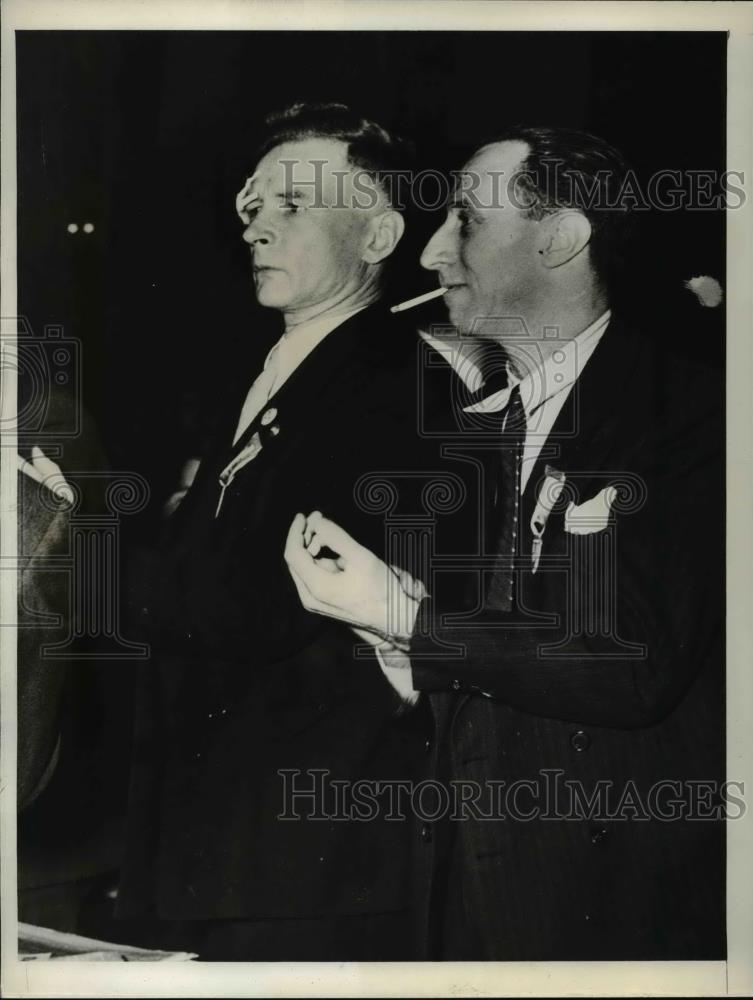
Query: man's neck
[[332, 308], [553, 326]]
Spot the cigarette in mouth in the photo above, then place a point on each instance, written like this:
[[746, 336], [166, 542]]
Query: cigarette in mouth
[[419, 300]]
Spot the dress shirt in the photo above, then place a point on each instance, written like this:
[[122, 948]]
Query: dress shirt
[[543, 392], [291, 349]]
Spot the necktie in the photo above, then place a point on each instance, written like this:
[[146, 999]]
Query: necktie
[[503, 499], [259, 392], [494, 369]]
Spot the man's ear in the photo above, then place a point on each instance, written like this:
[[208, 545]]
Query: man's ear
[[563, 236], [382, 236]]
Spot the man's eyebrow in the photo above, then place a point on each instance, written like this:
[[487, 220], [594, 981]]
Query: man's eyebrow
[[293, 192], [459, 199]]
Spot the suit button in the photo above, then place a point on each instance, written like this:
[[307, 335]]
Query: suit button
[[427, 746], [426, 834], [580, 741], [456, 685], [598, 834]]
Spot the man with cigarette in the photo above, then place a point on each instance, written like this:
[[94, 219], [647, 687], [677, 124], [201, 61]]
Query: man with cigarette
[[577, 689], [258, 711]]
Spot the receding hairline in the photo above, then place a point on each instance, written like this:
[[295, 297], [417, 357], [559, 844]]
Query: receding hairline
[[525, 146], [354, 169]]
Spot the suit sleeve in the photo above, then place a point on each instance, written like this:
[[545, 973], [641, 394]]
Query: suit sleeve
[[667, 587]]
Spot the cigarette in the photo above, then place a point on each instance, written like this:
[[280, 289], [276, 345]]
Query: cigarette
[[419, 300]]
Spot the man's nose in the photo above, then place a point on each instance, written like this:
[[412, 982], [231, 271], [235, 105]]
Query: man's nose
[[439, 251], [258, 232]]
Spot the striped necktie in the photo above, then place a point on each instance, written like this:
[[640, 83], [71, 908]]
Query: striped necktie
[[503, 499]]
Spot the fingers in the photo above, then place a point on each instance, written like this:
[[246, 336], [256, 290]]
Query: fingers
[[301, 559], [44, 464], [323, 532], [25, 466], [410, 585], [51, 475], [294, 543], [330, 565], [246, 199], [311, 522]]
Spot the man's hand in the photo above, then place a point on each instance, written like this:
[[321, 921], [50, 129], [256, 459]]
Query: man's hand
[[247, 200], [43, 470], [350, 583]]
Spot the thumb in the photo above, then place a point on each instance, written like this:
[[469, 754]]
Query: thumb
[[326, 532], [44, 464]]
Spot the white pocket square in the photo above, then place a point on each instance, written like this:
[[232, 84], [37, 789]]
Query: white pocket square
[[592, 515]]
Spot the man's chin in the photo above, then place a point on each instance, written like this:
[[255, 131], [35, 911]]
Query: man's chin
[[271, 298], [459, 320]]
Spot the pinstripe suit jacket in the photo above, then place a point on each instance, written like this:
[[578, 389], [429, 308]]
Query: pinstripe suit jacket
[[608, 668]]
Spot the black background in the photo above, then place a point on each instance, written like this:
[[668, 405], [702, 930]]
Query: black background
[[148, 135]]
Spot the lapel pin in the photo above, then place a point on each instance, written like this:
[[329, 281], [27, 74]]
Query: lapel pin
[[551, 488], [244, 456]]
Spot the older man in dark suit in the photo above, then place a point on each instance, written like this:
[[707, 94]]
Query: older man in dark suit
[[577, 687], [248, 694]]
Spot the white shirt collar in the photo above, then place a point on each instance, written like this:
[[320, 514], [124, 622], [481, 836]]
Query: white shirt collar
[[548, 378], [461, 355], [297, 343]]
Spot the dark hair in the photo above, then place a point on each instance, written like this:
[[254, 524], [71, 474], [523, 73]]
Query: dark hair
[[565, 168], [370, 147]]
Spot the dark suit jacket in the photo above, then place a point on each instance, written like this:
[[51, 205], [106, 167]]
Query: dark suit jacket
[[609, 667], [245, 682]]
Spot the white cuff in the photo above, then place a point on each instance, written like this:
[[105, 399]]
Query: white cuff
[[396, 668]]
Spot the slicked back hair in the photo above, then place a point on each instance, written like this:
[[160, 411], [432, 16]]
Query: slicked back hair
[[370, 146], [565, 168]]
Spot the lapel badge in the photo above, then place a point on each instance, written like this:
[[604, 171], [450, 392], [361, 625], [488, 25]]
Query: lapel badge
[[245, 455], [551, 488]]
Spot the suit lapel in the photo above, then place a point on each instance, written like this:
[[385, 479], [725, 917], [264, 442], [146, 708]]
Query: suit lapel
[[321, 371], [326, 379], [587, 427]]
